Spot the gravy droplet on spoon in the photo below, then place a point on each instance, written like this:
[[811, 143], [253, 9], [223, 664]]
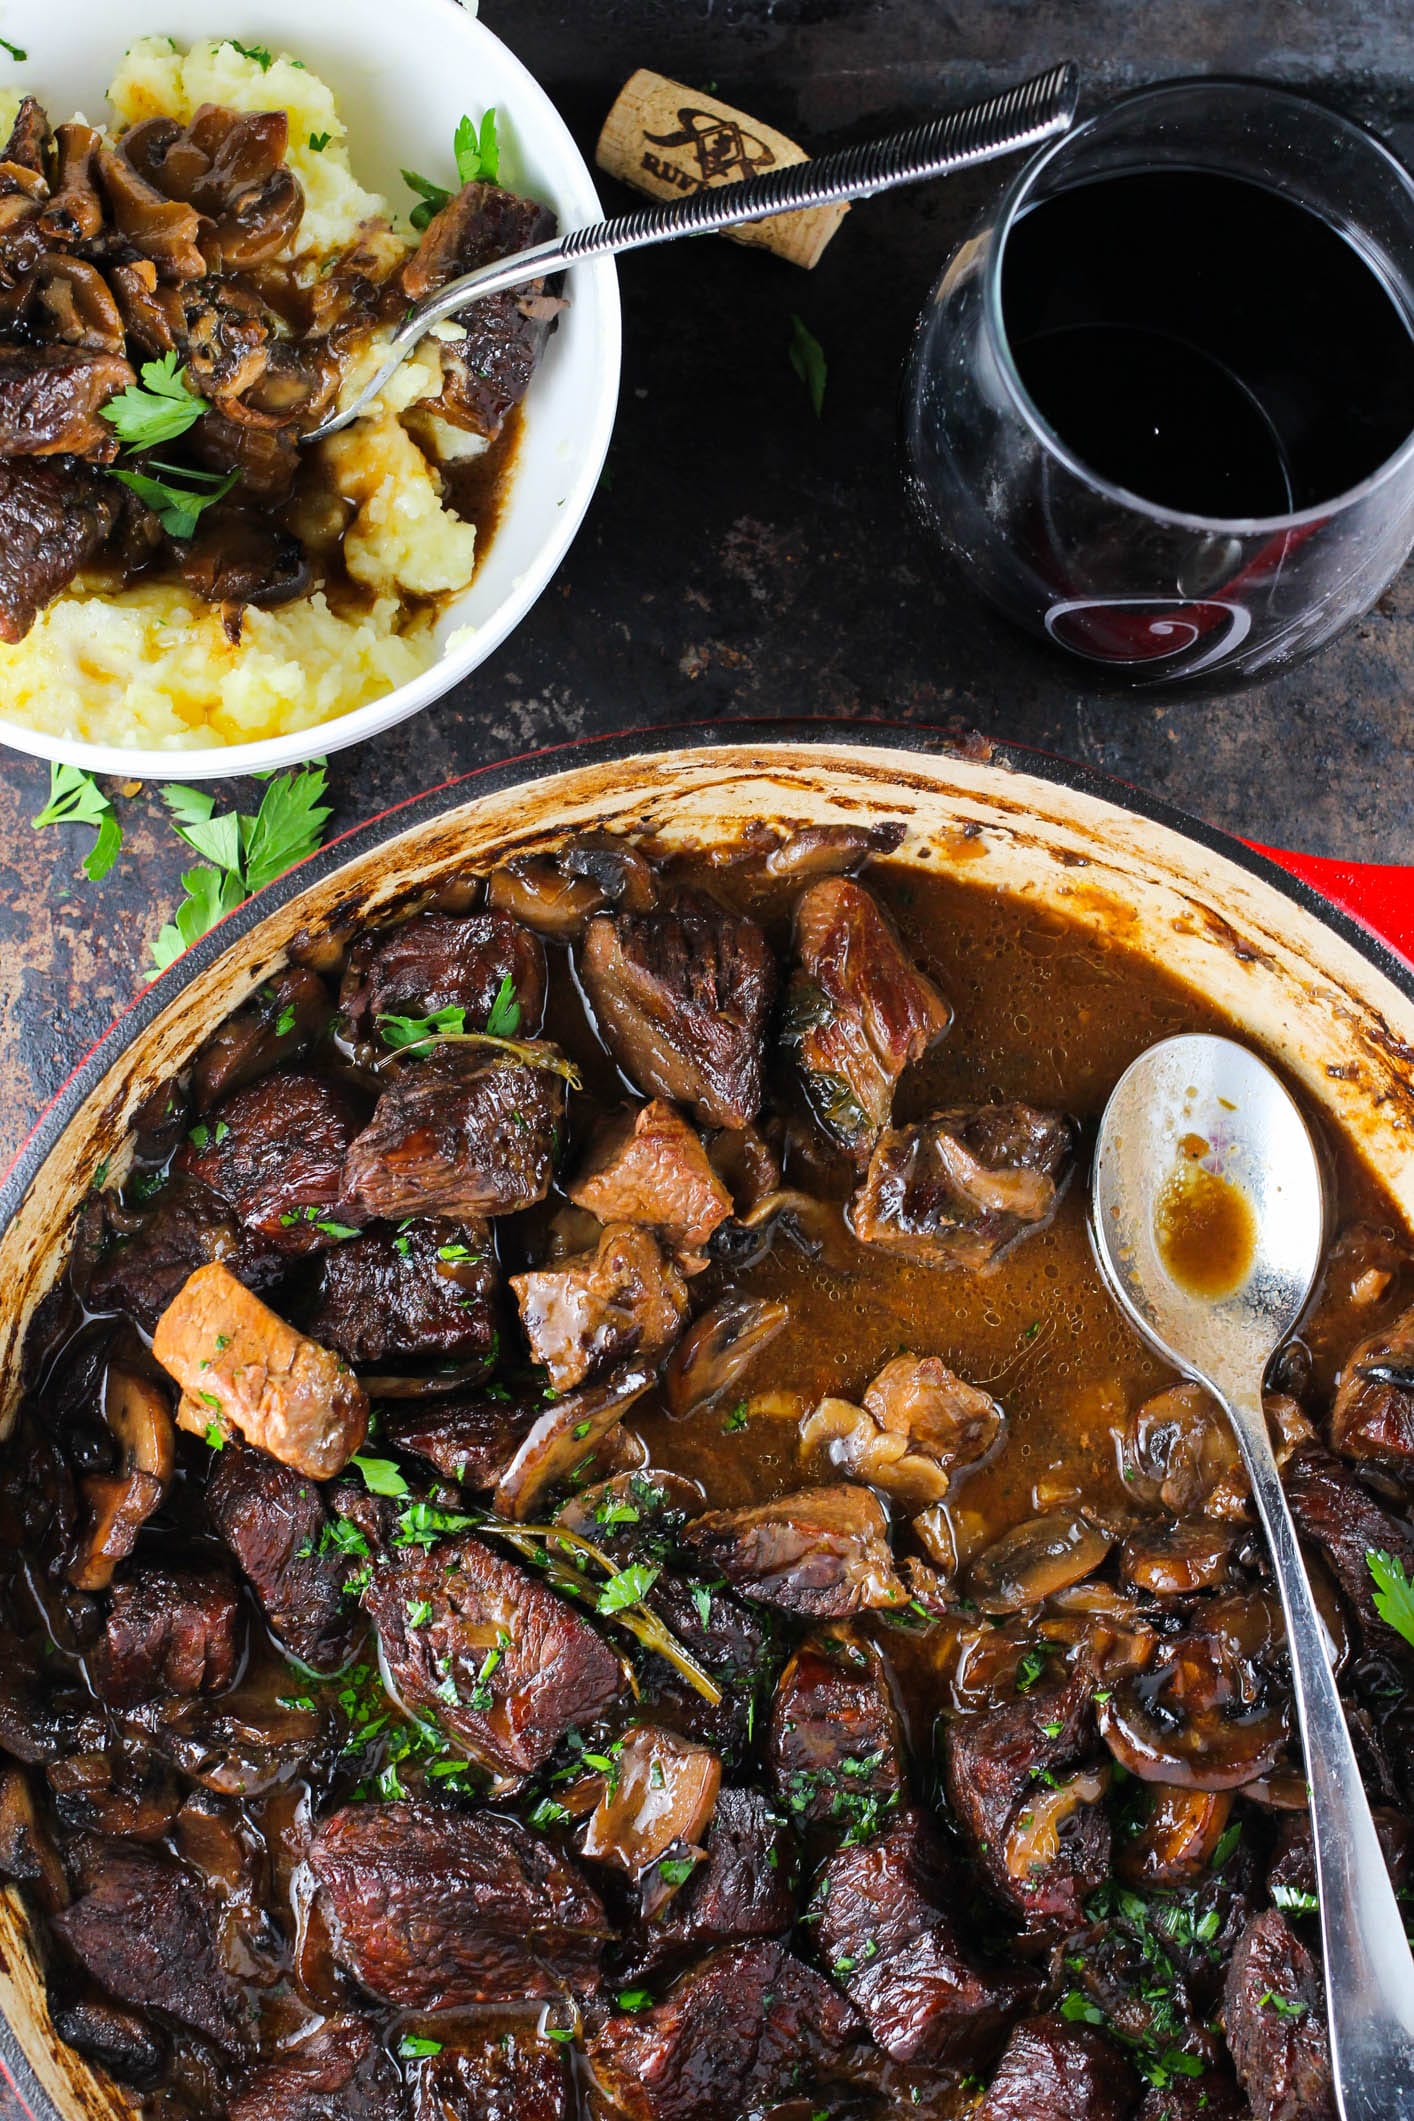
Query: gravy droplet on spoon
[[1205, 1229]]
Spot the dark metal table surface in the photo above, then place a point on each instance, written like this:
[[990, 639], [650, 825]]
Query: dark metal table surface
[[743, 557]]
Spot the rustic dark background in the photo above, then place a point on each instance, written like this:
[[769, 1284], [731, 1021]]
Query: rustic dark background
[[743, 558]]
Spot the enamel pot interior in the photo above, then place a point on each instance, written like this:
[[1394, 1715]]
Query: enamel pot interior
[[1335, 1011]]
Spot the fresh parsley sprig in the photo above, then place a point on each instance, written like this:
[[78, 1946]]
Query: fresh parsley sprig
[[1394, 1592], [158, 409], [75, 798], [178, 508], [477, 154], [247, 852]]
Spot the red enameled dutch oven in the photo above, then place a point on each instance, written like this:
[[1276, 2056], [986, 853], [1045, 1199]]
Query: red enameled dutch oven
[[1303, 974]]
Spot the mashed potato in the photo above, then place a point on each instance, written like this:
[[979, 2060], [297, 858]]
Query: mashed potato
[[151, 665]]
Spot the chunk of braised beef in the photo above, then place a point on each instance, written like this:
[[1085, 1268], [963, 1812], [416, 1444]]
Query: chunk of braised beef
[[231, 436], [746, 1888], [491, 366], [445, 961], [446, 1612], [43, 1715], [739, 2029], [147, 1931], [437, 1908], [885, 1932], [954, 1189], [735, 1642], [1293, 1862], [584, 1315], [169, 1631], [275, 1522], [1339, 1515], [1211, 2096], [682, 996], [1029, 1812], [143, 1265], [51, 400], [836, 1744], [458, 1134], [1051, 2068], [56, 513], [1373, 1413], [281, 1018], [822, 1553], [649, 1166], [1125, 1973], [238, 557], [275, 1150], [425, 1292], [857, 1011], [470, 1441], [123, 2042], [1274, 2017], [492, 2076], [342, 2072]]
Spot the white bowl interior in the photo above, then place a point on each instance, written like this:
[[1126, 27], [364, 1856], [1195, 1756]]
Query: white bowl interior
[[404, 71]]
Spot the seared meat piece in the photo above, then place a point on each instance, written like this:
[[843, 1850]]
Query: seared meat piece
[[954, 1189], [241, 1367], [857, 1011], [275, 1150], [460, 1133], [425, 1292], [731, 1639], [1341, 1517], [55, 514], [491, 2076], [470, 1441], [649, 1166], [437, 1908], [585, 1314], [836, 1745], [1052, 2070], [343, 2072], [1032, 1816], [490, 369], [444, 961], [1213, 2096], [265, 450], [746, 1888], [125, 2043], [280, 1019], [657, 1801], [186, 1226], [275, 1523], [884, 1933], [440, 1611], [682, 996], [147, 1929], [50, 400], [738, 2030], [1293, 1861], [822, 1552], [1373, 1414], [1281, 2054], [169, 1631], [237, 558]]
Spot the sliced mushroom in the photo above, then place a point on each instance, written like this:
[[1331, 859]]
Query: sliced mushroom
[[1178, 1449], [831, 850], [152, 314], [715, 1353], [1175, 1845], [74, 213], [621, 873], [661, 1795], [644, 1495], [534, 890], [1172, 1560], [566, 1434], [1035, 1559], [75, 306], [1212, 1712], [120, 1503], [853, 1442], [27, 1853], [163, 230], [1033, 1839]]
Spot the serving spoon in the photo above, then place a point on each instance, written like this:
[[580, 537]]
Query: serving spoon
[[1020, 117], [1208, 1218]]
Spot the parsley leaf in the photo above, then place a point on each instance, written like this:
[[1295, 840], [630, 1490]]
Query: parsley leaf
[[177, 508], [75, 798], [1032, 1665], [13, 49], [1394, 1593], [807, 358], [414, 2045], [411, 1034], [159, 408], [628, 1587], [431, 198], [215, 1435], [318, 142], [1294, 1901], [380, 1475], [288, 826], [209, 895], [504, 1020], [247, 851], [263, 58], [635, 1999], [478, 154]]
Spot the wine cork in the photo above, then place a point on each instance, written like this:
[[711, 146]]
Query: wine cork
[[666, 139]]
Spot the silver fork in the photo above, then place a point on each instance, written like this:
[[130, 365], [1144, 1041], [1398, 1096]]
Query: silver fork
[[1020, 117]]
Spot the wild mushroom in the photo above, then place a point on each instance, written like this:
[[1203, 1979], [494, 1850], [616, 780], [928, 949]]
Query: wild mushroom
[[1175, 1845], [162, 230], [76, 306], [536, 891], [1033, 1838], [1172, 1560], [570, 1431], [715, 1352], [1034, 1559], [120, 1503], [660, 1796], [1209, 1713], [74, 213], [831, 850], [1178, 1450]]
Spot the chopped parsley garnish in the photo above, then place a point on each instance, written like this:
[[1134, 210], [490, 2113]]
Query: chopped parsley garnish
[[419, 1613], [628, 1587], [504, 1020], [1227, 1842], [263, 58], [381, 1476], [318, 142], [736, 1420], [477, 154], [458, 1255], [158, 409], [1394, 1592], [285, 1021], [1285, 2006], [422, 1524], [702, 1599], [549, 1813], [1294, 1901], [676, 1870], [14, 50], [635, 1999], [610, 1512], [339, 1536], [409, 1034], [215, 1435], [413, 2046], [807, 358], [1032, 1665], [209, 1399], [75, 798]]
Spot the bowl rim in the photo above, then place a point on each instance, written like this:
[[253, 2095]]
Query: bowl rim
[[297, 747], [545, 760]]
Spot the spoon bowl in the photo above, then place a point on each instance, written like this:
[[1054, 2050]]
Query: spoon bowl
[[1207, 1217]]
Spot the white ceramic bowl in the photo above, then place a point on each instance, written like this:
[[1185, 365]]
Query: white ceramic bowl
[[404, 71]]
